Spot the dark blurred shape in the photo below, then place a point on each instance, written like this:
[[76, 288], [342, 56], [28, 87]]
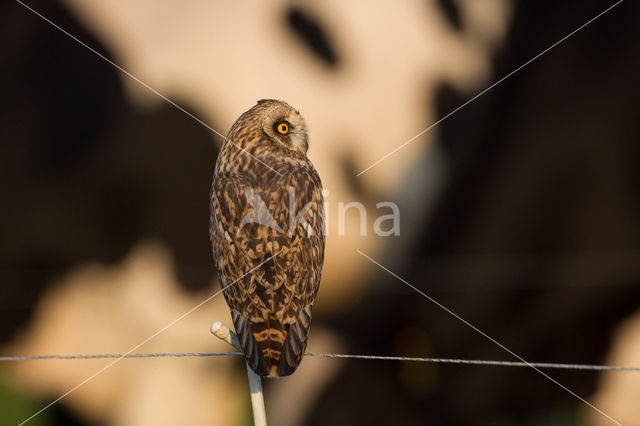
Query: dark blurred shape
[[307, 29], [348, 164], [85, 175], [65, 417], [57, 101], [451, 11], [535, 240], [419, 379]]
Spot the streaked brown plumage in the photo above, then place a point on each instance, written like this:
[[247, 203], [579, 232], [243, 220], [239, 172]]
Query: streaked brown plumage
[[252, 220]]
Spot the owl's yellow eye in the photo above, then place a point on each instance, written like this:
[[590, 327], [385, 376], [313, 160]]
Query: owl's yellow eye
[[283, 128]]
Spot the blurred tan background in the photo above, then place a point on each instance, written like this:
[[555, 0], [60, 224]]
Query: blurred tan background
[[520, 212]]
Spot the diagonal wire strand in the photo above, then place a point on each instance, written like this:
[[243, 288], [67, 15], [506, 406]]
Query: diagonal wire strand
[[145, 85], [162, 330], [489, 88], [494, 341]]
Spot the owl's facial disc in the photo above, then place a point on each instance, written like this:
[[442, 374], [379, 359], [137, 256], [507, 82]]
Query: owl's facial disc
[[287, 127]]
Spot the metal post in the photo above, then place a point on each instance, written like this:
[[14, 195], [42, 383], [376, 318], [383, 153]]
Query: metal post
[[223, 332]]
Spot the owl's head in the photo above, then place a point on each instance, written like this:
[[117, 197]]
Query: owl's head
[[283, 124]]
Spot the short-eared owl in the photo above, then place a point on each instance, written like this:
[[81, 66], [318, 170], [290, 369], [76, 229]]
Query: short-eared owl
[[267, 231]]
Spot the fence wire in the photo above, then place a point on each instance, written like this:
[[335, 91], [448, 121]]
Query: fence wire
[[458, 361]]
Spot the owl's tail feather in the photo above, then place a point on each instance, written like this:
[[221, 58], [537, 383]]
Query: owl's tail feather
[[248, 343], [295, 343], [271, 348]]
